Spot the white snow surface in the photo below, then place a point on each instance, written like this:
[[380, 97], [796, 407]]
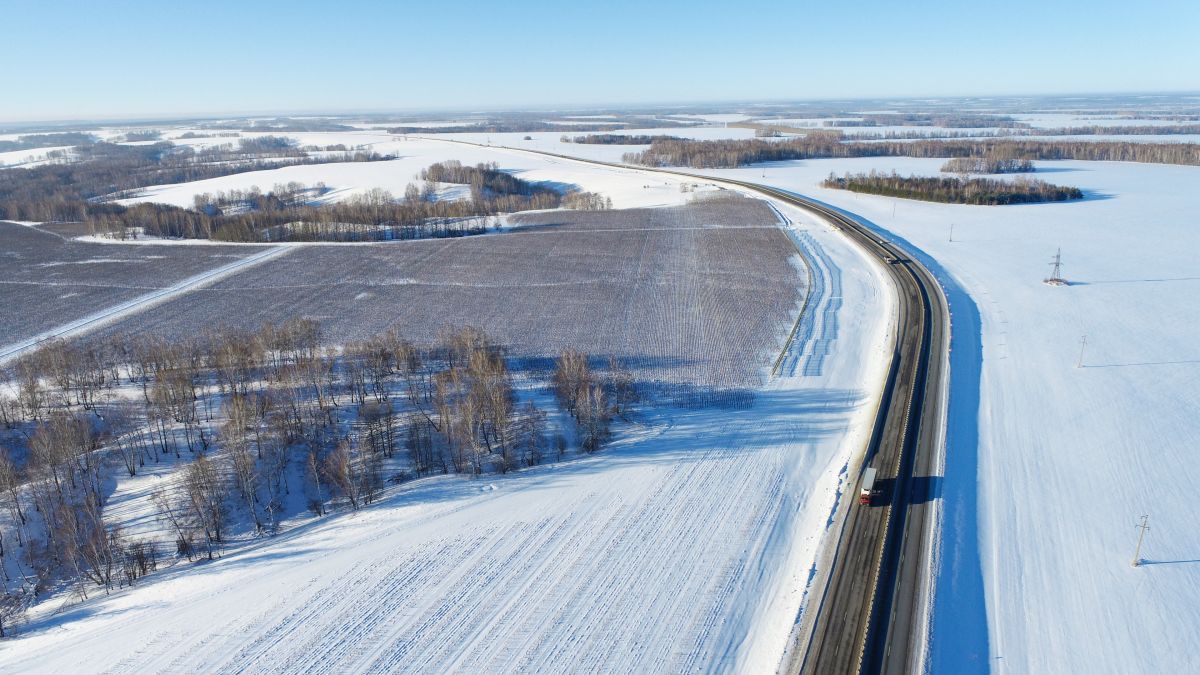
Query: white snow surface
[[29, 158], [1048, 465], [688, 545], [1063, 459], [627, 189]]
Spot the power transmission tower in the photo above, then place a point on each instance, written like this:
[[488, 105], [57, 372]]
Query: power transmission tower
[[1137, 555], [1082, 346], [1056, 271]]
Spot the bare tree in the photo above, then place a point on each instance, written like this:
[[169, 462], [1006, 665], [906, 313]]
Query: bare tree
[[340, 469], [10, 486], [13, 603], [531, 434], [206, 490], [178, 519]]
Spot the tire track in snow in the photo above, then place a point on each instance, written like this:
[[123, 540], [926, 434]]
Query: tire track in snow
[[137, 304]]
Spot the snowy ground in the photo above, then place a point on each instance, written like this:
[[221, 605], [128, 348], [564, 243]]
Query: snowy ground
[[28, 158], [627, 189], [1048, 466], [685, 547], [1063, 458]]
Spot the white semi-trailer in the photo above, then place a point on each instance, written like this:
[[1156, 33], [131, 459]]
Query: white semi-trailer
[[867, 492]]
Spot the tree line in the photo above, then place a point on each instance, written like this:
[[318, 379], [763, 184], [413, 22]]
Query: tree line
[[35, 141], [824, 145], [1126, 130], [944, 120], [83, 189], [618, 139], [500, 127], [253, 421], [982, 191], [281, 125], [287, 214]]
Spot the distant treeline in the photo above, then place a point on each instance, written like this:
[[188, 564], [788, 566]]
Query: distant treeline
[[1131, 130], [143, 135], [981, 191], [103, 171], [281, 124], [823, 145], [503, 127], [618, 139], [945, 120], [284, 214], [1139, 130], [514, 125], [35, 141]]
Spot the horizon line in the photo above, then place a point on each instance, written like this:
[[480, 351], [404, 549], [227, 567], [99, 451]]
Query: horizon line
[[628, 106]]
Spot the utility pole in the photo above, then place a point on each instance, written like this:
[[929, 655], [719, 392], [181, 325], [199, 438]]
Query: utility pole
[[1137, 555], [893, 209], [951, 231], [1082, 346]]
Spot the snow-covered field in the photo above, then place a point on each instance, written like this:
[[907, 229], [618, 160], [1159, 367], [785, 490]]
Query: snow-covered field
[[1058, 120], [1064, 459], [687, 546], [1050, 461], [627, 189], [29, 158]]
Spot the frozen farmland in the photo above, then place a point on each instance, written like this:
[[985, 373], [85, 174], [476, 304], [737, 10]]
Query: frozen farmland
[[47, 280], [687, 544], [695, 296]]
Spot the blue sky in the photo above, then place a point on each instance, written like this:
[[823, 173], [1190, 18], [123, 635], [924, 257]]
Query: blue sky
[[69, 60]]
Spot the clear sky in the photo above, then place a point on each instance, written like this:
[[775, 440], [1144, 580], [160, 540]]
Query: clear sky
[[63, 59]]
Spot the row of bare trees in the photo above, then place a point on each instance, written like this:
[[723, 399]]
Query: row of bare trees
[[99, 172], [287, 212], [957, 190], [249, 426], [591, 400], [618, 139], [830, 144]]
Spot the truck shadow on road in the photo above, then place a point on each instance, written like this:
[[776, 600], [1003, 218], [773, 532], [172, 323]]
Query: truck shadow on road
[[923, 489]]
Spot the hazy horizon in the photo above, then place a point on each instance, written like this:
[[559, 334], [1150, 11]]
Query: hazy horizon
[[1004, 101], [150, 60]]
